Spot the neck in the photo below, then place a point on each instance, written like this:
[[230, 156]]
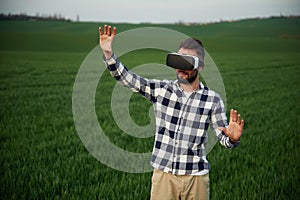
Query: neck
[[191, 86]]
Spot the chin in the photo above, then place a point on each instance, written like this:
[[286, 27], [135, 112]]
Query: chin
[[182, 80]]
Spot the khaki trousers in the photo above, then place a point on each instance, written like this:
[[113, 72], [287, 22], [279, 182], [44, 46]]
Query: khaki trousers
[[166, 186]]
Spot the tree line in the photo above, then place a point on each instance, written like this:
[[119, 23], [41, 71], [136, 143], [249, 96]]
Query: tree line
[[37, 17]]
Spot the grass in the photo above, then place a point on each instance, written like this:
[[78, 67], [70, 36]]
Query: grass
[[42, 157]]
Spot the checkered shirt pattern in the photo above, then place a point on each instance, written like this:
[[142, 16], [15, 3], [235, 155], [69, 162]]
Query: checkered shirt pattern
[[181, 122]]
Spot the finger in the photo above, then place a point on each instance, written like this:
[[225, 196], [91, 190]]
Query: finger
[[114, 32], [239, 119], [100, 31], [222, 129], [105, 29], [242, 124], [225, 131], [109, 30], [231, 115], [234, 115]]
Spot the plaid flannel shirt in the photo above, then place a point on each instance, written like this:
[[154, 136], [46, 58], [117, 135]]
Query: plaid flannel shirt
[[181, 122]]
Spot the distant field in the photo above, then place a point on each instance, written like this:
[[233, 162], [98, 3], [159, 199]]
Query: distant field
[[42, 156]]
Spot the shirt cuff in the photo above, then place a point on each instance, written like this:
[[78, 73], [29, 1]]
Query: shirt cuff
[[234, 144], [110, 61]]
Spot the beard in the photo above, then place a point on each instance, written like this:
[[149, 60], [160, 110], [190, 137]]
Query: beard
[[188, 80]]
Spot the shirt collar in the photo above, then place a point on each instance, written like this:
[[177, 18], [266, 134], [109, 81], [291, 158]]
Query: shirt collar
[[201, 86]]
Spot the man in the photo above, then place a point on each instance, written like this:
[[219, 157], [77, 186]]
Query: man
[[184, 109]]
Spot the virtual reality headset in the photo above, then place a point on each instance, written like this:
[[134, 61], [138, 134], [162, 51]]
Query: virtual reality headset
[[180, 61]]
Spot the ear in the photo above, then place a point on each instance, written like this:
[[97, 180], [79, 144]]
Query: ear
[[200, 68]]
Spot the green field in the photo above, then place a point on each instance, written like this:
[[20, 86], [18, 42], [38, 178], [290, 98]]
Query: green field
[[42, 156]]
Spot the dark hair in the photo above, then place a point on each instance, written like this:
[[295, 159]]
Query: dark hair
[[195, 44]]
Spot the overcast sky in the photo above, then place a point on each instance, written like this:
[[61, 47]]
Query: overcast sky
[[155, 11]]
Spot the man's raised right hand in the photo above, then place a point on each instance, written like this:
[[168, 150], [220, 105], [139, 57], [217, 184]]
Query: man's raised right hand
[[106, 39]]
